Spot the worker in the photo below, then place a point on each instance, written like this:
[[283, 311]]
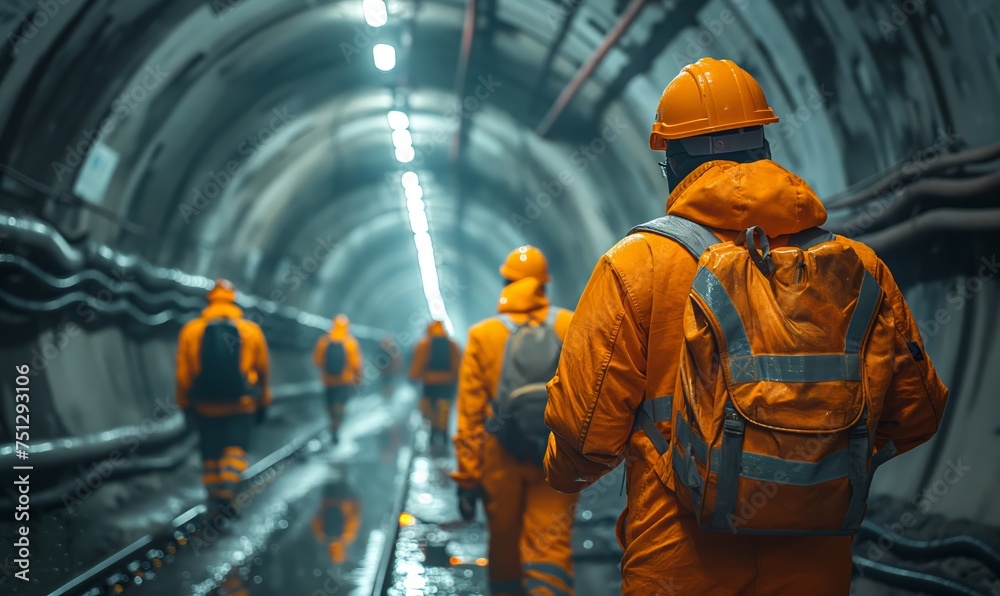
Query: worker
[[663, 369], [336, 523], [435, 363], [389, 362], [222, 385], [338, 357], [501, 434]]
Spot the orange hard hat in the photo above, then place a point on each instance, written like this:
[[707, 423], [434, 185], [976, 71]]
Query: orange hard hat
[[708, 96], [526, 261], [222, 290]]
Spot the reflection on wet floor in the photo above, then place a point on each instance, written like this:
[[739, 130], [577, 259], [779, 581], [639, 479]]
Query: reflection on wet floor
[[435, 553], [333, 519], [319, 526]]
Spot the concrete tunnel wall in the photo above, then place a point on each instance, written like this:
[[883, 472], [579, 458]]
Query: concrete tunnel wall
[[859, 85]]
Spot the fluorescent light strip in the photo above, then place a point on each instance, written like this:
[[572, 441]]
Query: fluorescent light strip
[[376, 13]]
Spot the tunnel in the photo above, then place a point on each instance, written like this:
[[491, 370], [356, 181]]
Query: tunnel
[[381, 159]]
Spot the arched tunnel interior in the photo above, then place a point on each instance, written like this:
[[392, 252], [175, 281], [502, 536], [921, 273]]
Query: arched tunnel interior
[[380, 160]]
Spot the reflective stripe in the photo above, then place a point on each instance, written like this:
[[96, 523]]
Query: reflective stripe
[[728, 479], [229, 477], [535, 583], [694, 237], [651, 411], [859, 450], [511, 586], [687, 438], [660, 409], [684, 473], [553, 315], [796, 473], [507, 322], [864, 310], [711, 291], [551, 569], [800, 368], [810, 237], [645, 422]]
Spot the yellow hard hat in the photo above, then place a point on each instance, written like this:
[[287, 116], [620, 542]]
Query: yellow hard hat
[[525, 261], [708, 96]]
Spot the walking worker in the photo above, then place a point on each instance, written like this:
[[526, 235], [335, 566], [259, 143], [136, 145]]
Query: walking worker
[[435, 363], [338, 357], [502, 435], [750, 368], [222, 385]]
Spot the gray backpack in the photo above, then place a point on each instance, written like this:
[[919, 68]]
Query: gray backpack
[[530, 358]]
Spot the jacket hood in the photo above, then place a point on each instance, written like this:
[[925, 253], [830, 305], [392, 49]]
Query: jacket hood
[[436, 328], [522, 296], [734, 196], [341, 327], [219, 310]]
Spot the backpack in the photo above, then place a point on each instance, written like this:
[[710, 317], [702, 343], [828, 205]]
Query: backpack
[[221, 377], [335, 358], [440, 355], [779, 387], [531, 356], [334, 520]]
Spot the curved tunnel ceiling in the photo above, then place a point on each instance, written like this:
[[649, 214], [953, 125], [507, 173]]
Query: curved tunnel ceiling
[[253, 135]]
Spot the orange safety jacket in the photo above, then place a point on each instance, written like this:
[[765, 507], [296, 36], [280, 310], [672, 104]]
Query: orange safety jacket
[[479, 376], [254, 361], [340, 331], [419, 370], [623, 348]]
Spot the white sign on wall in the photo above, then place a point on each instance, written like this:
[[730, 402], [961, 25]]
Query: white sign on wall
[[95, 174]]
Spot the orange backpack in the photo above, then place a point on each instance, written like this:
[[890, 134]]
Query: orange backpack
[[783, 369]]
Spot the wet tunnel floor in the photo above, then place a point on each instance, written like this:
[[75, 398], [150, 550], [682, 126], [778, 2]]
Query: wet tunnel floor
[[327, 519]]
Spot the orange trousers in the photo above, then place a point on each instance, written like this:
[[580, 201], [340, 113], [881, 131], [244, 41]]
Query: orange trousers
[[530, 525], [671, 556]]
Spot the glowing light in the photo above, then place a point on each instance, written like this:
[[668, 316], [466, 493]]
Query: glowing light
[[401, 138], [455, 560], [405, 519], [376, 14], [482, 562], [414, 192], [418, 222], [385, 56], [405, 154], [409, 179], [398, 120]]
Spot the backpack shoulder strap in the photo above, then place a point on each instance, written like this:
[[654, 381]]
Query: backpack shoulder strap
[[550, 320], [694, 237], [508, 322], [810, 237]]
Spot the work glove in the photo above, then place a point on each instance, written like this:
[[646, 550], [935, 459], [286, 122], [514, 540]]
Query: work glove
[[260, 415], [467, 499]]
